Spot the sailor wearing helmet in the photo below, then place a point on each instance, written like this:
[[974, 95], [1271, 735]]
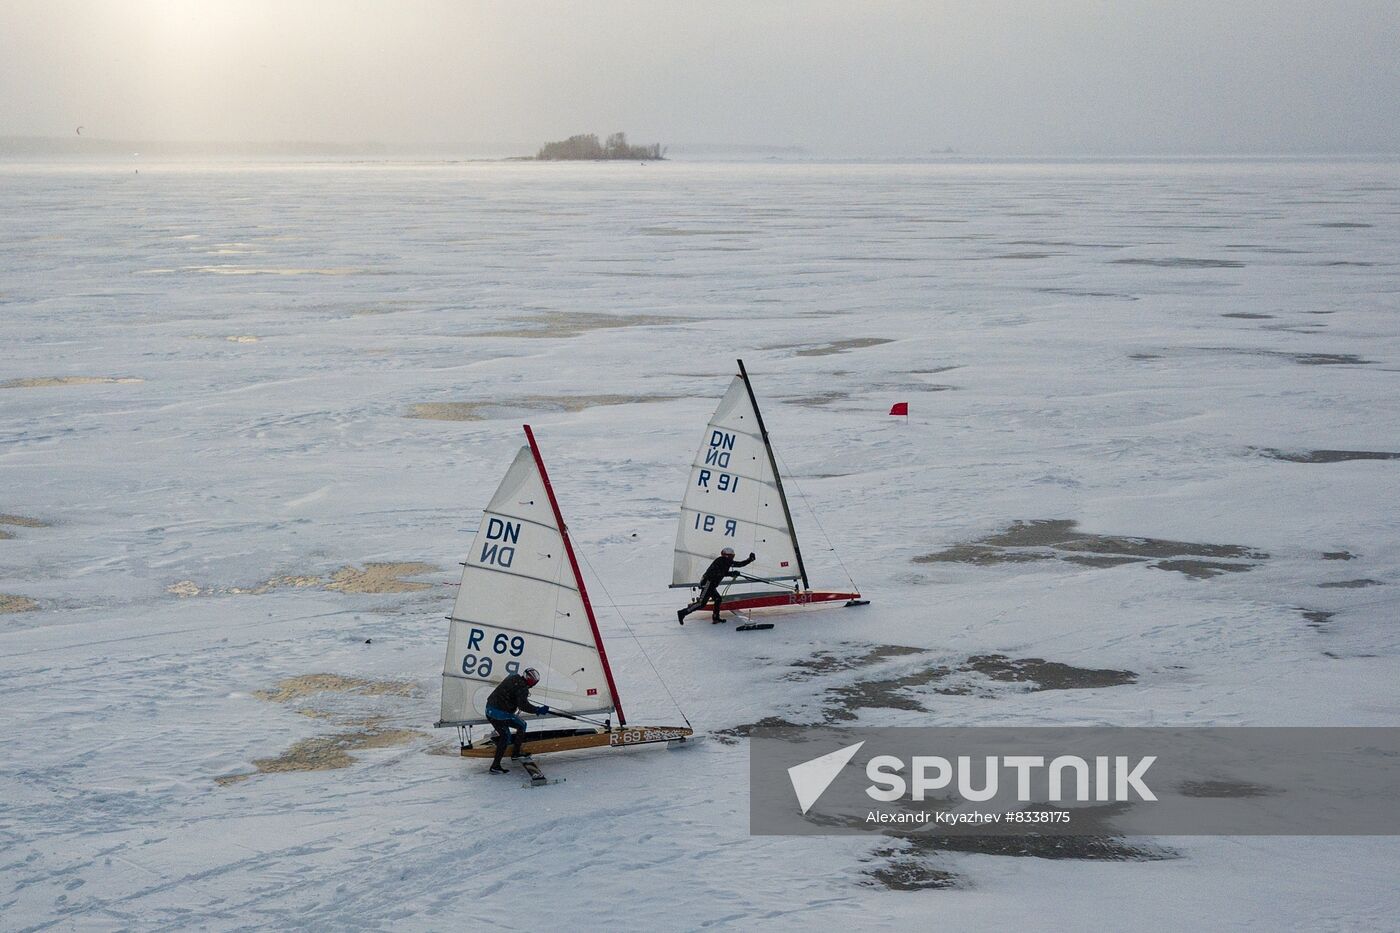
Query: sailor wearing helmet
[[723, 566]]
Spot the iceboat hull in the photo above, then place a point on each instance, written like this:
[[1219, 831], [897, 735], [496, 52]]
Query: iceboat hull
[[568, 740]]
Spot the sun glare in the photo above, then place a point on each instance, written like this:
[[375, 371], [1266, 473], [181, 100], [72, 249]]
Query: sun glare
[[198, 31]]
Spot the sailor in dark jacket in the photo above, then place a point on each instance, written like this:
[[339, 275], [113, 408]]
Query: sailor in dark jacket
[[510, 695], [722, 566]]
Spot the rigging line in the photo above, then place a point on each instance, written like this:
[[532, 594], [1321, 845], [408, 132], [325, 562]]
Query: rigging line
[[778, 583], [234, 626], [817, 519], [640, 647], [647, 605]]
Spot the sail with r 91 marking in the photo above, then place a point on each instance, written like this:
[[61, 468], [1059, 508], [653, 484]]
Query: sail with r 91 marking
[[521, 604], [733, 499]]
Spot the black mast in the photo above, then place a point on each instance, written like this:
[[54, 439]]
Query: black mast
[[777, 476]]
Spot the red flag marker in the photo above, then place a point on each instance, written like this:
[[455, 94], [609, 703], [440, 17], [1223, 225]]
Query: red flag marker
[[900, 408]]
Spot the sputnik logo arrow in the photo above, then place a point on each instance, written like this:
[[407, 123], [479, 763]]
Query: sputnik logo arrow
[[811, 778]]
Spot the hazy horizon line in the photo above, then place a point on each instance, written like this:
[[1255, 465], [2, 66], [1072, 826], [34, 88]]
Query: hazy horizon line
[[15, 145]]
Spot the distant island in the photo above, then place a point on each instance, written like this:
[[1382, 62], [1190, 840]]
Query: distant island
[[586, 146]]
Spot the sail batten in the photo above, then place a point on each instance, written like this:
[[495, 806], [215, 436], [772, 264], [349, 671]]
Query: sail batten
[[523, 632], [521, 518], [709, 557], [525, 576]]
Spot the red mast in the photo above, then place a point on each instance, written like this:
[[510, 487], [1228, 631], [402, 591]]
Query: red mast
[[578, 577]]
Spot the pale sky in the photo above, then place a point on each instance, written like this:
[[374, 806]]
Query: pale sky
[[1014, 77]]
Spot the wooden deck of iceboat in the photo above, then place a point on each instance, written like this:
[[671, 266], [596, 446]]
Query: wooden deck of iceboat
[[568, 740]]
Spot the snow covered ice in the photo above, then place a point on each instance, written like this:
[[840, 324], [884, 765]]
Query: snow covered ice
[[249, 415]]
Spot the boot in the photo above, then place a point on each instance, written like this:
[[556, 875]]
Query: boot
[[680, 616], [497, 769]]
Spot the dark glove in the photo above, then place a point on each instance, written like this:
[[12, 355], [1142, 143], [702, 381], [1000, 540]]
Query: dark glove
[[541, 710], [752, 556]]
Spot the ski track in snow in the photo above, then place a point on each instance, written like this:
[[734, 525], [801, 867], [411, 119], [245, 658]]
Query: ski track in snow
[[1060, 332]]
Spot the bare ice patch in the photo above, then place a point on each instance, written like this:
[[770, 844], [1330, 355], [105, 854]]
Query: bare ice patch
[[919, 848], [574, 323], [501, 408], [1226, 789], [823, 399], [894, 677], [842, 658], [1317, 619], [911, 861], [354, 704], [1326, 456], [325, 752], [1057, 539], [1302, 359], [45, 382], [688, 231], [19, 521], [1181, 262], [11, 603], [293, 689], [380, 578], [832, 348], [372, 578], [268, 270], [979, 675]]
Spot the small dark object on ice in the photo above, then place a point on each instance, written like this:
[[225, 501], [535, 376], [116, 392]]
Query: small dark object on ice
[[753, 626]]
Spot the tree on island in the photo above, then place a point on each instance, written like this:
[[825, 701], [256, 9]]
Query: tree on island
[[586, 146]]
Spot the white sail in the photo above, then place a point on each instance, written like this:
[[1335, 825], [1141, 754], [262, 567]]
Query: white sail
[[732, 499], [520, 605]]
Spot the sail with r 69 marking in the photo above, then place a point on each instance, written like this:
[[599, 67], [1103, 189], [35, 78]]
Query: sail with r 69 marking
[[523, 603]]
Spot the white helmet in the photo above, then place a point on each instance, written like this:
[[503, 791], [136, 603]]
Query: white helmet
[[728, 552]]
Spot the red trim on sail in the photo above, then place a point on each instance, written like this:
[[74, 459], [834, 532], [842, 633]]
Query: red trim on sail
[[770, 600], [578, 577]]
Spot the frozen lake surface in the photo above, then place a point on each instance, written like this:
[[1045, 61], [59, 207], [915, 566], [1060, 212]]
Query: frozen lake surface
[[249, 414]]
